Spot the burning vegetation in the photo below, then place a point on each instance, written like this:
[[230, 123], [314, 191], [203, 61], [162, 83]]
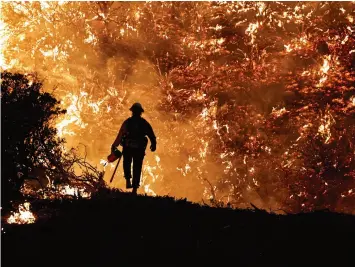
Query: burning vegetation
[[23, 216], [251, 101]]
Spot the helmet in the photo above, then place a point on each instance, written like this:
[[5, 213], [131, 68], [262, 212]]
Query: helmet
[[136, 107]]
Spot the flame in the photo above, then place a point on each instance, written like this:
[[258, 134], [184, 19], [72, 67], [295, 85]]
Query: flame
[[73, 114], [324, 69], [67, 190], [4, 36], [23, 216], [298, 44], [252, 30], [278, 112], [325, 127], [352, 101]]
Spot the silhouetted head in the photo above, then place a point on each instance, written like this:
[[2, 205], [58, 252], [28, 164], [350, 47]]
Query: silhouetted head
[[136, 109]]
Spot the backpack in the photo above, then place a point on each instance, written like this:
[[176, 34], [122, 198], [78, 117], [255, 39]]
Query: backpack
[[136, 136]]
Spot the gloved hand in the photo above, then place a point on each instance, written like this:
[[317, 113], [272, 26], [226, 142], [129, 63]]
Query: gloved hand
[[153, 147]]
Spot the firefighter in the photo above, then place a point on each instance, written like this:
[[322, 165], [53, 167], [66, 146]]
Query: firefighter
[[133, 138]]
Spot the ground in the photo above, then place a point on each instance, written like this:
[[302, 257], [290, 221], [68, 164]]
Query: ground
[[118, 229]]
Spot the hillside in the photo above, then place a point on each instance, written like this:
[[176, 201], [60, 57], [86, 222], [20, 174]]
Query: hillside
[[118, 228]]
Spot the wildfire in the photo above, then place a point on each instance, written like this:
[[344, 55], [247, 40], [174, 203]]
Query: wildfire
[[278, 112], [298, 44], [324, 129], [252, 30], [68, 190], [324, 70], [23, 216], [235, 91], [4, 36], [352, 101]]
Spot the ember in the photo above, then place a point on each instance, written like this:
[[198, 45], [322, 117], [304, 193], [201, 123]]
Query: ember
[[252, 101]]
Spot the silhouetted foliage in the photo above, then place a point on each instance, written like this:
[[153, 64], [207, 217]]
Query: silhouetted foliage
[[27, 137], [31, 150]]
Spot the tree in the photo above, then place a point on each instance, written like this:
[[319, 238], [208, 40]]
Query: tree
[[29, 141], [31, 149]]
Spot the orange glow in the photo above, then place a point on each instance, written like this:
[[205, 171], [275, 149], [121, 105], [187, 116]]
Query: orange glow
[[237, 92]]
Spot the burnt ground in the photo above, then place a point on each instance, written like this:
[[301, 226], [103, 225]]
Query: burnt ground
[[122, 230]]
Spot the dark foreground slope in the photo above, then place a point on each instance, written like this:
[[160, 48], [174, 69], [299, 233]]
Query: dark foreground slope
[[122, 230]]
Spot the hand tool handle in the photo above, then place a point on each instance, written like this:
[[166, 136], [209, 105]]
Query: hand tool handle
[[115, 170]]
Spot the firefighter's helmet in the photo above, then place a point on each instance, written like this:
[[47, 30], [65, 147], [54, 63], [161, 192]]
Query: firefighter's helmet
[[136, 107]]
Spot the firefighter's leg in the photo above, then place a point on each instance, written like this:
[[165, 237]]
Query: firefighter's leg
[[137, 168], [127, 163]]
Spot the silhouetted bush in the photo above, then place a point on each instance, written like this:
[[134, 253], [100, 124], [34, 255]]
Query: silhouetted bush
[[31, 149], [27, 137]]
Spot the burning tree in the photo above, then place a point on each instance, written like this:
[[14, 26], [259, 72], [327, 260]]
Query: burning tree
[[252, 101]]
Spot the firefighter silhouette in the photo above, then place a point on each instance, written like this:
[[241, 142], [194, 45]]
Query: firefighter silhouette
[[133, 138]]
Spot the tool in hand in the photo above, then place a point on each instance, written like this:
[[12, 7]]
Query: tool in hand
[[115, 154]]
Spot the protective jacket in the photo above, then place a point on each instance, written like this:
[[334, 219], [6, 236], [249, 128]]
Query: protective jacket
[[133, 133]]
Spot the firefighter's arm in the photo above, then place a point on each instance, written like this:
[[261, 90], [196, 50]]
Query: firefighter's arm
[[152, 137], [121, 133]]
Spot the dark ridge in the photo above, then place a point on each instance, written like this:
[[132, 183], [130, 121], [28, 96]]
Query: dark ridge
[[119, 229]]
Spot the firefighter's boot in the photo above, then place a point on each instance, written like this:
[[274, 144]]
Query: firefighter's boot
[[128, 183], [134, 191]]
